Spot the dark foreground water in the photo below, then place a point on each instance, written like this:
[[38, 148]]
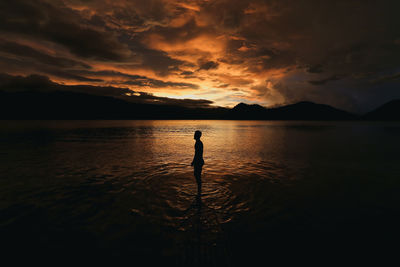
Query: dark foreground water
[[96, 191]]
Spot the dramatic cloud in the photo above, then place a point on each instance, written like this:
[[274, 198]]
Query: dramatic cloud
[[28, 53], [386, 78], [37, 19], [208, 65], [344, 53], [38, 83], [324, 81], [137, 80]]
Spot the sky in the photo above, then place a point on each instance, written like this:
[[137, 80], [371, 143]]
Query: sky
[[204, 53]]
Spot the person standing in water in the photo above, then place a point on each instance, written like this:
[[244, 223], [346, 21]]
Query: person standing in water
[[198, 161]]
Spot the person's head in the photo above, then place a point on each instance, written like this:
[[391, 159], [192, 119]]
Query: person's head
[[197, 135]]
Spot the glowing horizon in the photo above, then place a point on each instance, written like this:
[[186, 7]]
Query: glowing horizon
[[224, 52]]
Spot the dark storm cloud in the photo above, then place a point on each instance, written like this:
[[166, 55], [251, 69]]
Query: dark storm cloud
[[158, 61], [318, 68], [29, 65], [227, 14], [39, 19], [186, 32], [192, 103], [40, 83], [325, 80], [157, 84], [33, 61], [338, 52], [137, 80], [186, 73], [356, 39], [69, 76], [147, 58], [10, 83], [86, 38], [209, 65], [387, 78], [19, 83], [24, 51]]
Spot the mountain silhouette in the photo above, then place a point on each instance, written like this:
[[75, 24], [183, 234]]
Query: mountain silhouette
[[389, 111], [74, 105], [299, 111]]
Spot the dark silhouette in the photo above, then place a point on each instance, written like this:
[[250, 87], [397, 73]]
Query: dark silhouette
[[299, 111], [72, 105], [198, 161], [387, 112]]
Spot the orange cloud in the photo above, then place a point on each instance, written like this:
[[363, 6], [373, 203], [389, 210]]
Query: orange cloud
[[227, 51]]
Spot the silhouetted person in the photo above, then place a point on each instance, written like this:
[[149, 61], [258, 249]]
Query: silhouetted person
[[198, 161]]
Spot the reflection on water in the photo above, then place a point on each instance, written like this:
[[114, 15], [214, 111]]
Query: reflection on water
[[203, 243], [127, 187]]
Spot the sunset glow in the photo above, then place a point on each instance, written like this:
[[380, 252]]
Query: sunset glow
[[265, 52]]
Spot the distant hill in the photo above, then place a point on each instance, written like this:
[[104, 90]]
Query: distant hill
[[298, 111], [244, 111], [71, 105], [74, 105], [388, 111]]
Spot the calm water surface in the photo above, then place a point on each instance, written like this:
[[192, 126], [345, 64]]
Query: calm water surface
[[122, 189]]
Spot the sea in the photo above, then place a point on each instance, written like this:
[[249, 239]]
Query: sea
[[272, 192]]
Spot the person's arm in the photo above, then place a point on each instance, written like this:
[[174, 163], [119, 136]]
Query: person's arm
[[195, 149]]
